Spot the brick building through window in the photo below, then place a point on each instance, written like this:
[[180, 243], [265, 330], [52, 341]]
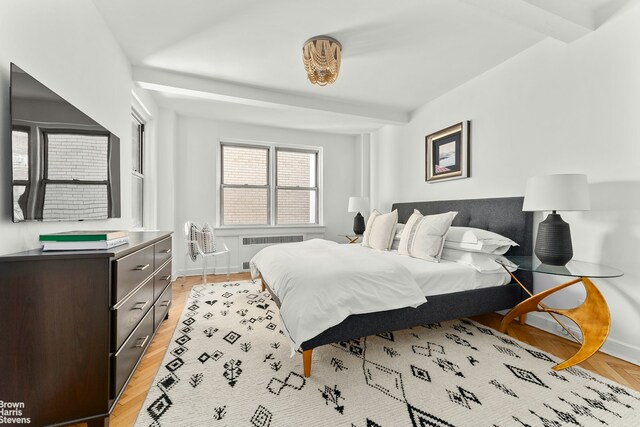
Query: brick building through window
[[268, 185]]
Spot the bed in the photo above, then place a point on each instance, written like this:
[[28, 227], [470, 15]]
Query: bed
[[500, 215]]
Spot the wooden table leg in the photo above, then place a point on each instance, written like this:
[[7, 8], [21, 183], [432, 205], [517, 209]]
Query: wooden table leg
[[522, 319], [592, 317]]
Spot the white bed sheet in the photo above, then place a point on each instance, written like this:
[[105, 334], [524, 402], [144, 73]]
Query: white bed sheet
[[320, 283], [444, 277]]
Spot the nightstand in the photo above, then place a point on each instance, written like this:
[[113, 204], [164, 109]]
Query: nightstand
[[592, 316]]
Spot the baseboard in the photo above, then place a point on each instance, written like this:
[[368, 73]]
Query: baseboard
[[611, 346], [211, 270]]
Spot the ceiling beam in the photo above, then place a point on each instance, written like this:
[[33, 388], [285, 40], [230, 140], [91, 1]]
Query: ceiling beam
[[564, 21], [204, 88]]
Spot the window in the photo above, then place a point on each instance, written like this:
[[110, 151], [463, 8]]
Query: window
[[137, 171], [21, 173], [76, 176], [296, 187], [247, 195]]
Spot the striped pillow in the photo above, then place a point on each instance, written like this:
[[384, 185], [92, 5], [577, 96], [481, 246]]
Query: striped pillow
[[423, 236], [380, 230]]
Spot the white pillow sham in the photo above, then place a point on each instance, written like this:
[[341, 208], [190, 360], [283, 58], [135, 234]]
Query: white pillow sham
[[423, 236], [477, 240], [380, 230], [484, 263]]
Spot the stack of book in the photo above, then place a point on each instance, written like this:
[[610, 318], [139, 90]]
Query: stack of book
[[83, 240]]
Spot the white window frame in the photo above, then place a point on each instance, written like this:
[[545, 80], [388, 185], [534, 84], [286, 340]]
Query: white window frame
[[296, 188], [271, 182], [140, 175]]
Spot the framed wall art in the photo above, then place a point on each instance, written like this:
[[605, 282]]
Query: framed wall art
[[447, 153]]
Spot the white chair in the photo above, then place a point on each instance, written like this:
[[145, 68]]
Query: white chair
[[205, 245]]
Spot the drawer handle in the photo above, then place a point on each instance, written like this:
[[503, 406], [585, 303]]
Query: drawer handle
[[144, 304], [142, 267], [144, 341], [166, 277], [165, 304], [166, 251]]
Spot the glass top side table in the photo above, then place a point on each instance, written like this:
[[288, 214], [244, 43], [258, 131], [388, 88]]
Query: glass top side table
[[592, 316]]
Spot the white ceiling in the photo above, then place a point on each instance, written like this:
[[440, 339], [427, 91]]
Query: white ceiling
[[240, 60]]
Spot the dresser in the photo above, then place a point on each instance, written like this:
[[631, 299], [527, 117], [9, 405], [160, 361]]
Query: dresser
[[75, 324]]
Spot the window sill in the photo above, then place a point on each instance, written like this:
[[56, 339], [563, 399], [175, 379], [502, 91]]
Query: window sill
[[234, 230]]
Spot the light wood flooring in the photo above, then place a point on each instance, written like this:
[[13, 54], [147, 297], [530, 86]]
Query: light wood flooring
[[135, 393]]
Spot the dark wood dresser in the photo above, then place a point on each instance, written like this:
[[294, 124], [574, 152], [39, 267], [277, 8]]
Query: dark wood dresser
[[75, 324]]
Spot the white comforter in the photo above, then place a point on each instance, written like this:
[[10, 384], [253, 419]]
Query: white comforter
[[320, 283]]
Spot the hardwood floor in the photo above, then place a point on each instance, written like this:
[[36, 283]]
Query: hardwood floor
[[135, 393]]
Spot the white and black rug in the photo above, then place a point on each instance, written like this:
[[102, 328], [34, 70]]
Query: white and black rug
[[228, 365]]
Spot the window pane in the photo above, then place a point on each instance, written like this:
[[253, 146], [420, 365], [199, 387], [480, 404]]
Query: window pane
[[75, 201], [19, 202], [244, 165], [20, 155], [136, 200], [136, 145], [297, 206], [245, 206], [76, 156], [296, 169]]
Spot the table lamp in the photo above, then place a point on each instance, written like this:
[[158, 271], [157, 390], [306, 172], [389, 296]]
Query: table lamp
[[358, 204], [563, 192]]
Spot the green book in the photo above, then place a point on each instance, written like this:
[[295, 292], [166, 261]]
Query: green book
[[83, 236]]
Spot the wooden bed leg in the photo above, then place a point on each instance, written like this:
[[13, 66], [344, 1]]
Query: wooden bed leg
[[262, 284], [306, 362], [522, 318]]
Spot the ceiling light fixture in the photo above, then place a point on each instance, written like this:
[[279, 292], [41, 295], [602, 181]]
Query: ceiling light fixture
[[321, 56]]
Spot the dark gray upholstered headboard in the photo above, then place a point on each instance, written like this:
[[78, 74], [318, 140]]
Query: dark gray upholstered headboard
[[501, 215]]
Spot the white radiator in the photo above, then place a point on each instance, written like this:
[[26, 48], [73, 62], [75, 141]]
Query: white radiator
[[251, 245]]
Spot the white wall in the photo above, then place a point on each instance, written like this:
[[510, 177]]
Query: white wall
[[196, 171], [554, 108], [68, 47]]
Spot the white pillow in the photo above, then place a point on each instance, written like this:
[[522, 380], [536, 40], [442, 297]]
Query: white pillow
[[477, 240], [380, 230], [206, 239], [423, 236], [395, 244], [484, 263]]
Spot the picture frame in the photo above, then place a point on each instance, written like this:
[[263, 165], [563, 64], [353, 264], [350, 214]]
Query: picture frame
[[447, 153]]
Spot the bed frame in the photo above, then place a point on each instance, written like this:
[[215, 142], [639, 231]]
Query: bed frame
[[500, 215]]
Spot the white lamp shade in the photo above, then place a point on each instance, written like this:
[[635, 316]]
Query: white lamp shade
[[358, 204], [563, 192]]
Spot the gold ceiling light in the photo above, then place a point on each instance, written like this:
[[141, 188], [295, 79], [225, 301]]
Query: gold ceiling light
[[321, 56]]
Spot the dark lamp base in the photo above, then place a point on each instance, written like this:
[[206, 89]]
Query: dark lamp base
[[553, 244], [358, 224]]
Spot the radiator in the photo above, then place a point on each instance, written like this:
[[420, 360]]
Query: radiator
[[251, 245]]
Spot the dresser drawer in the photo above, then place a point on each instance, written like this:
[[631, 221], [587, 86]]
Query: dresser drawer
[[131, 271], [128, 313], [125, 360], [162, 252], [161, 307], [161, 280]]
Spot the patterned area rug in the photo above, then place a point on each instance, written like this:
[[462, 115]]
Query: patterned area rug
[[229, 365]]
